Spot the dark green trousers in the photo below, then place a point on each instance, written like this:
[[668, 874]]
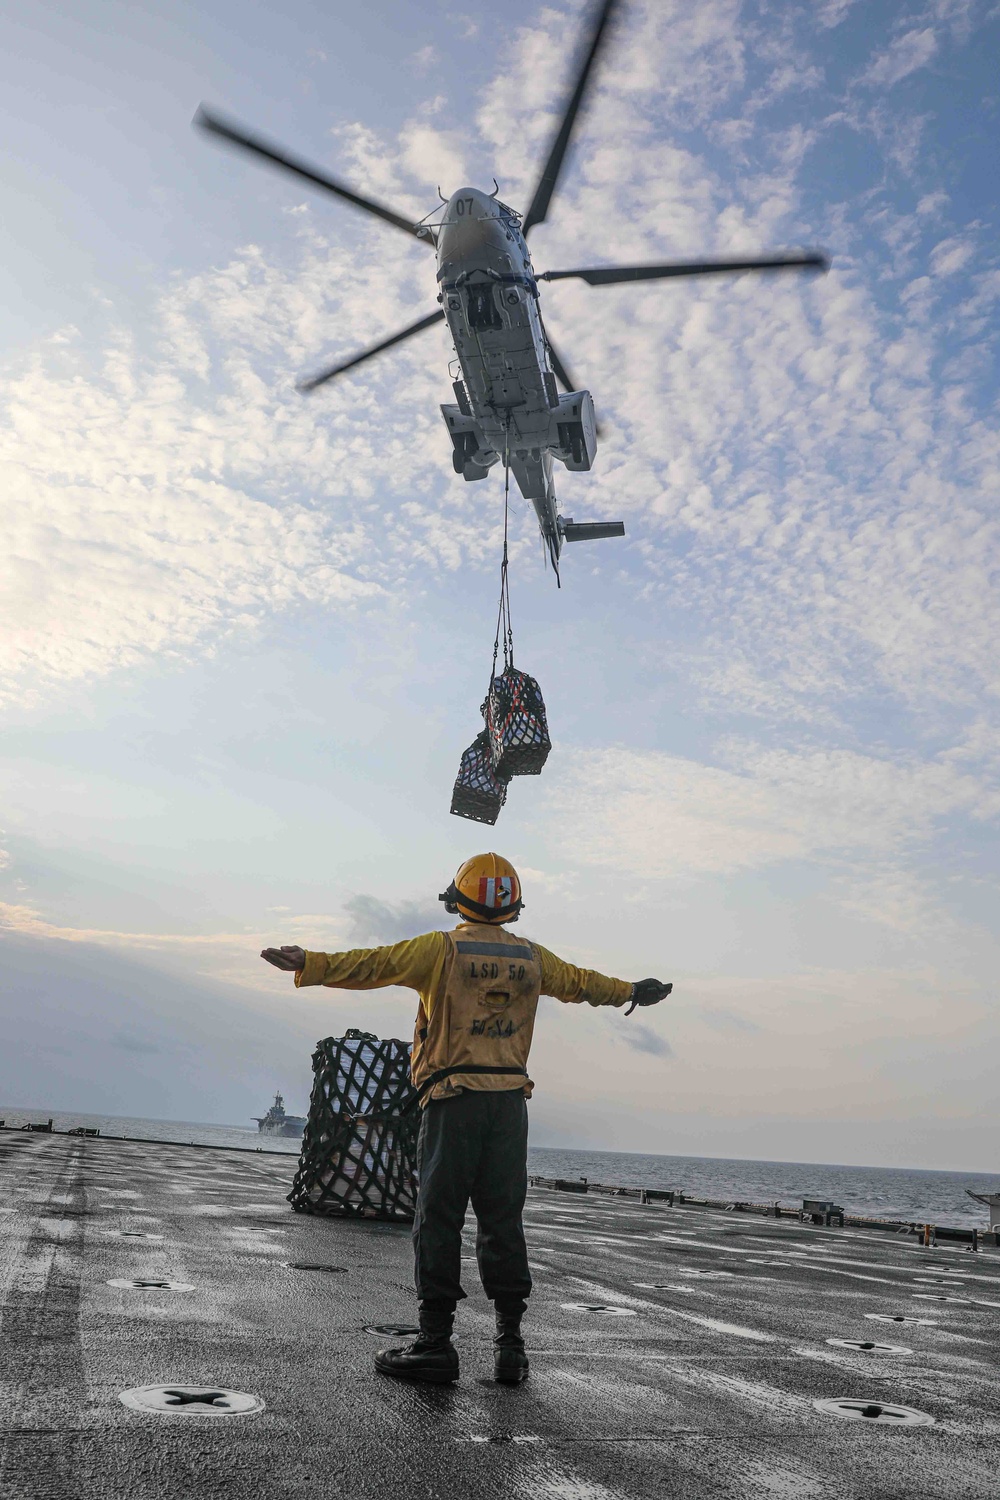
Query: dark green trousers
[[472, 1148]]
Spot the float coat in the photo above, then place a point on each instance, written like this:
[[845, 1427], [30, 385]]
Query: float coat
[[479, 987]]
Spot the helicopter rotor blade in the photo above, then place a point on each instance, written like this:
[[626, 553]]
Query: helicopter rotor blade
[[566, 380], [323, 376], [611, 275], [557, 151], [559, 369], [244, 140]]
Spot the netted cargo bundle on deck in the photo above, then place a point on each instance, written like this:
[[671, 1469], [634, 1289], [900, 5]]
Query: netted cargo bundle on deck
[[478, 792], [516, 725], [359, 1148]]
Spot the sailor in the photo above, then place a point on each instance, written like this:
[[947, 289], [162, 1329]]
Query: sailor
[[479, 987]]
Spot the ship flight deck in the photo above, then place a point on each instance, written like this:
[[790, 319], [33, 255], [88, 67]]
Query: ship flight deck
[[676, 1351]]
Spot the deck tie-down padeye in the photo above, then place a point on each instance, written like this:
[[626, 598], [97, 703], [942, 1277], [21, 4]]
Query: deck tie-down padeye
[[604, 1309], [191, 1401], [143, 1284], [886, 1414], [515, 741], [869, 1346]]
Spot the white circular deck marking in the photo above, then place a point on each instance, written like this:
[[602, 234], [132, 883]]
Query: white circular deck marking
[[865, 1346], [875, 1411], [666, 1286], [599, 1307], [191, 1401], [149, 1284], [899, 1318]]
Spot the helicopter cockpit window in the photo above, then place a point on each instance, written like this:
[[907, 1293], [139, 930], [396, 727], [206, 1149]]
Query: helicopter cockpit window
[[483, 311]]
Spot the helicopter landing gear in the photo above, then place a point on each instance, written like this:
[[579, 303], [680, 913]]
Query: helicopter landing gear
[[468, 458], [465, 450]]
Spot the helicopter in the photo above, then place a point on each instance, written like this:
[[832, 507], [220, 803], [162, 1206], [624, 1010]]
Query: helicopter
[[508, 402]]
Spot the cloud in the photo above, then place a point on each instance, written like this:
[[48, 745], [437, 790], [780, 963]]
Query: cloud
[[86, 1028], [468, 25], [424, 59], [128, 1043], [951, 255], [376, 922], [807, 465], [720, 1019], [131, 534], [231, 957], [830, 13], [913, 50], [643, 1039], [161, 502], [866, 822], [816, 502], [678, 818]]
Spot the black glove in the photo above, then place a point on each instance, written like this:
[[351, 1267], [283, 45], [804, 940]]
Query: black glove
[[648, 992]]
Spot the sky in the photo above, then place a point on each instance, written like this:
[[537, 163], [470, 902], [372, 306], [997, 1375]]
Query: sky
[[246, 633]]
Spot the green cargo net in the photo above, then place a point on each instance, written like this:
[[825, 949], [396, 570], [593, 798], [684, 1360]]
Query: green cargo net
[[359, 1147]]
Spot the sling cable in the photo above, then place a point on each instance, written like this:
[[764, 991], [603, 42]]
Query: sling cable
[[515, 741]]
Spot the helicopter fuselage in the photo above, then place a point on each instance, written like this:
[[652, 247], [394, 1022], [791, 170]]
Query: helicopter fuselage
[[508, 404], [506, 400]]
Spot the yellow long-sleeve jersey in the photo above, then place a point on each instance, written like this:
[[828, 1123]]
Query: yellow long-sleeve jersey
[[479, 987]]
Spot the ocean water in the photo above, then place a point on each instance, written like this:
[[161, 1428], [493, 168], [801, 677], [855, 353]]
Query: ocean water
[[878, 1192], [881, 1192], [186, 1131]]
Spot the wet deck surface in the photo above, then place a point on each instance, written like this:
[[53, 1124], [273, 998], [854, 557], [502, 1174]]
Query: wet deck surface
[[699, 1386]]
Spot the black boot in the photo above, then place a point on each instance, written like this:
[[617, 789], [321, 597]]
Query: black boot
[[510, 1363], [432, 1356]]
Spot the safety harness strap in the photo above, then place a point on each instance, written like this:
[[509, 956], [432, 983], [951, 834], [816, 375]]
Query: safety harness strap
[[442, 1073], [437, 1077]]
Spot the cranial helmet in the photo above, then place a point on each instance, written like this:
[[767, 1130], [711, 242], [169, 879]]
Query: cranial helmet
[[486, 889]]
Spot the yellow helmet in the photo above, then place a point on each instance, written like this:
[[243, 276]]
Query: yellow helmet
[[486, 889]]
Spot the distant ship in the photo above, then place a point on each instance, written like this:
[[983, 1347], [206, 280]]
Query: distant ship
[[276, 1122]]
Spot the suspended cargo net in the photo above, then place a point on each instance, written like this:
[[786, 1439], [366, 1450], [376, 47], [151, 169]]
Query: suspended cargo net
[[516, 740], [359, 1148], [516, 725], [478, 793]]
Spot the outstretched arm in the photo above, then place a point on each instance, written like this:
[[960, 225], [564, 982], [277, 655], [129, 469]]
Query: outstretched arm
[[287, 958], [410, 963], [648, 992], [569, 983]]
